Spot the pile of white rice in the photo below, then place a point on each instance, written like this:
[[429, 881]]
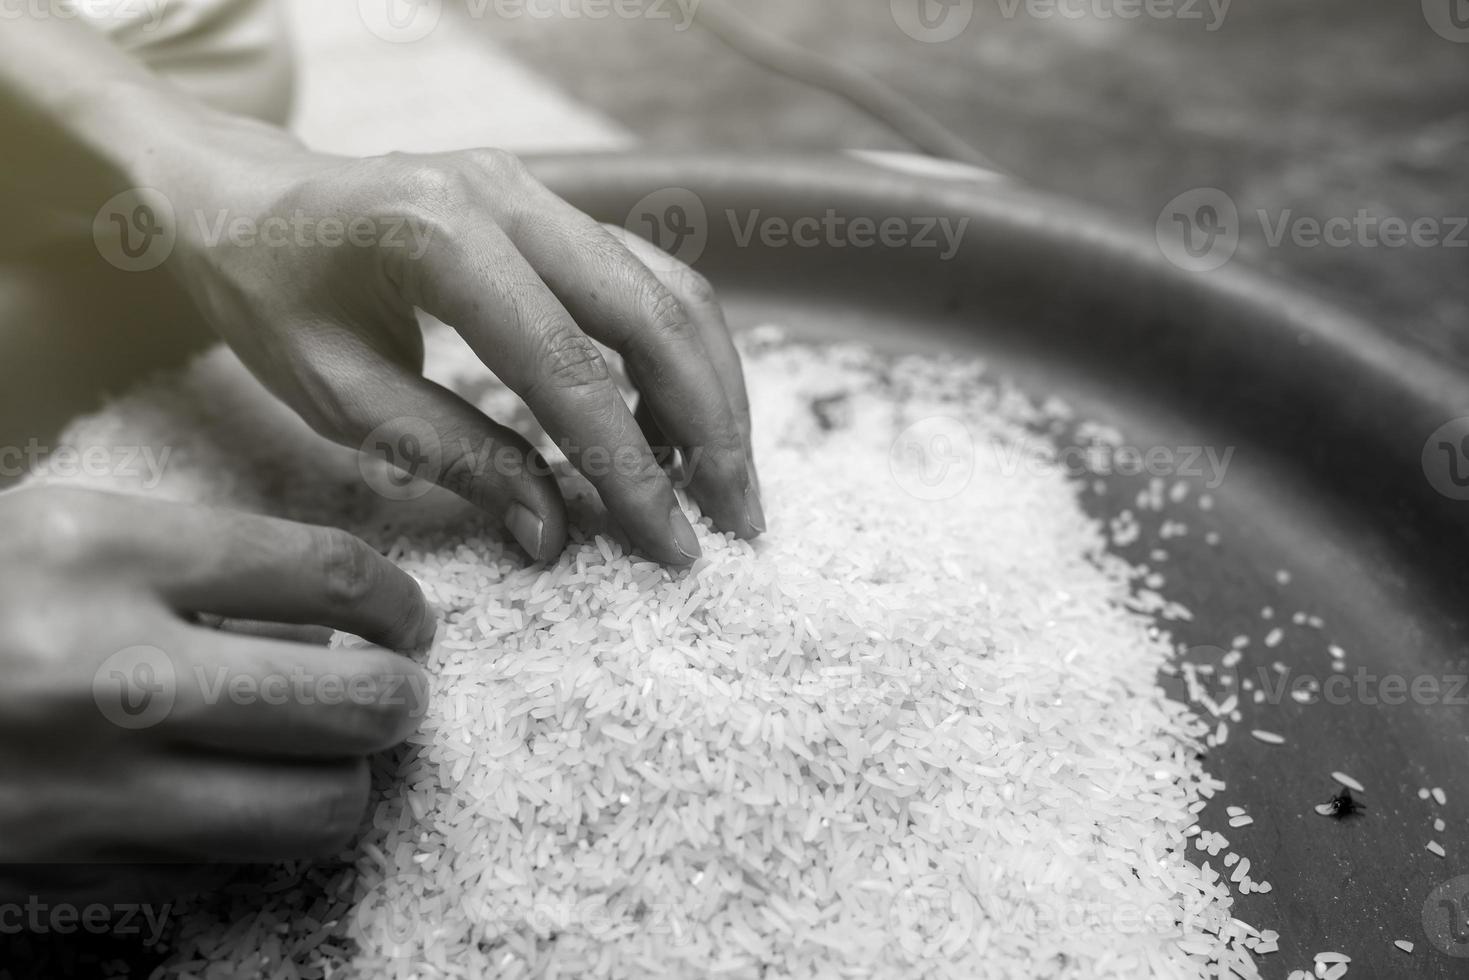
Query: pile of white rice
[[898, 736]]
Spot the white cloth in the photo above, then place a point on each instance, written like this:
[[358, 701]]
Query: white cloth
[[234, 54], [361, 92], [358, 88]]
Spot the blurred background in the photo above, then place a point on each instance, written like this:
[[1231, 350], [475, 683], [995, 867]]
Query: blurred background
[[1306, 109]]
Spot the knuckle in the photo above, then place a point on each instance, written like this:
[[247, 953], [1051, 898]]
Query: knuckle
[[439, 189], [53, 526], [349, 568], [569, 360], [697, 287], [727, 447], [477, 466], [426, 222], [644, 477], [501, 163], [668, 318]]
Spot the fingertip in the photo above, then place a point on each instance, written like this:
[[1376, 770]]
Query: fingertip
[[555, 540], [528, 529], [420, 624], [399, 701], [415, 703], [685, 541], [726, 488], [754, 511], [428, 630]]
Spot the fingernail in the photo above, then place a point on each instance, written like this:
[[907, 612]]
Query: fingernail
[[428, 630], [684, 538], [527, 528], [754, 512]]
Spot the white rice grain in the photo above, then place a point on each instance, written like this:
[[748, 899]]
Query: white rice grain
[[900, 736]]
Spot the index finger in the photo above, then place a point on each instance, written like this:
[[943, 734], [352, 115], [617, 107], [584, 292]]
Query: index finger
[[247, 566], [478, 282], [703, 308], [621, 302]]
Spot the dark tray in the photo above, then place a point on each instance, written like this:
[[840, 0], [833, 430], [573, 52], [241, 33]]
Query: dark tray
[[1334, 477]]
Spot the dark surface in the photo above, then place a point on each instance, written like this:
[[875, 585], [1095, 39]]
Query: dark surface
[[1328, 419], [1322, 107]]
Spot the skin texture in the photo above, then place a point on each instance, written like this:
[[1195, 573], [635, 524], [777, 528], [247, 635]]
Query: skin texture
[[535, 287], [103, 598], [224, 769], [327, 320]]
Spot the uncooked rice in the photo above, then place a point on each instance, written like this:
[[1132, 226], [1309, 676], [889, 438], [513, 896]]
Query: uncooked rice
[[901, 735]]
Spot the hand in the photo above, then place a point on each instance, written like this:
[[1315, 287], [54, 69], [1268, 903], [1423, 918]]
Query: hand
[[527, 280], [127, 734]]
